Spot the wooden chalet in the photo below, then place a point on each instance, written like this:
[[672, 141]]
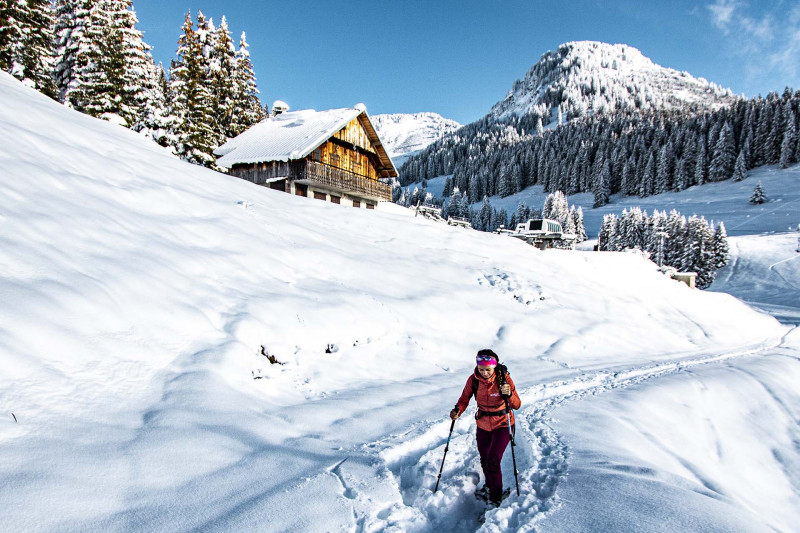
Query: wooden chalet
[[333, 155]]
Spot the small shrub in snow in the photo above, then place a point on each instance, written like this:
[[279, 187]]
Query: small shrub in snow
[[271, 358]]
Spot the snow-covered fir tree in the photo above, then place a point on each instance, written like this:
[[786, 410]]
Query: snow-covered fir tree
[[602, 189], [248, 109], [577, 219], [99, 68], [103, 67], [739, 169], [721, 247], [192, 100], [724, 158], [72, 18], [758, 196], [789, 143], [26, 42], [213, 89], [155, 120], [221, 74]]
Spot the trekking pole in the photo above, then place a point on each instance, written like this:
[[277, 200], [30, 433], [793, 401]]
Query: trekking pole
[[510, 432], [446, 447], [513, 445]]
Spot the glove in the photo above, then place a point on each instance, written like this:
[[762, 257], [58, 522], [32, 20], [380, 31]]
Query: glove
[[505, 390], [454, 414]]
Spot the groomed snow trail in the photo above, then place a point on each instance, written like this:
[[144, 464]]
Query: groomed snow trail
[[407, 461]]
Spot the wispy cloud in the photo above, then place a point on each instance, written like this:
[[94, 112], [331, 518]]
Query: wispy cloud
[[765, 34], [721, 14]]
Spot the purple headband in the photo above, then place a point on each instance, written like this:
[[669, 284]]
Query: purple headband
[[486, 360]]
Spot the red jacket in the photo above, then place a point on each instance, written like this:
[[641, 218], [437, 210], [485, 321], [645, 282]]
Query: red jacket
[[489, 399]]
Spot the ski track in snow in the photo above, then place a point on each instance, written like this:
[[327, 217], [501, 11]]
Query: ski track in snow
[[773, 269], [409, 460]]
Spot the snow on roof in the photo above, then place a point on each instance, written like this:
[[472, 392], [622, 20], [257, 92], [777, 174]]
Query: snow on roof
[[285, 137]]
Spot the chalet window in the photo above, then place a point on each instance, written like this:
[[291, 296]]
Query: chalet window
[[300, 190], [370, 206], [319, 195], [356, 203], [317, 155], [336, 199]]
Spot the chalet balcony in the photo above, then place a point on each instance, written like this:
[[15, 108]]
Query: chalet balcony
[[337, 179]]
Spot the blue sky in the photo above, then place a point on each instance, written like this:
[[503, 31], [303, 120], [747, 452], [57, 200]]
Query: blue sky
[[458, 58]]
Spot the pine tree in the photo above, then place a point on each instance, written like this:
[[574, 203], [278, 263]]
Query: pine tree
[[699, 253], [647, 185], [701, 164], [154, 119], [724, 158], [664, 170], [143, 98], [720, 246], [221, 76], [485, 215], [580, 228], [523, 213], [26, 43], [674, 245], [505, 186], [249, 110], [789, 141], [602, 190], [758, 196], [103, 67], [192, 99], [72, 18], [447, 190], [739, 170], [99, 69], [607, 237], [681, 175]]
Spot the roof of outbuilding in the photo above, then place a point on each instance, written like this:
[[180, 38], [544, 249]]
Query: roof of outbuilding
[[291, 136]]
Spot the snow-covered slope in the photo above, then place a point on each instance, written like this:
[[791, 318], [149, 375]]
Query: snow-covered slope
[[587, 76], [404, 134], [726, 201], [137, 292], [764, 271]]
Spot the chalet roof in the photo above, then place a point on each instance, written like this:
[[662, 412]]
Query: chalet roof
[[294, 135]]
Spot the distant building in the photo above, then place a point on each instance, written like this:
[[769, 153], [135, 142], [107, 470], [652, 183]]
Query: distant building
[[333, 155]]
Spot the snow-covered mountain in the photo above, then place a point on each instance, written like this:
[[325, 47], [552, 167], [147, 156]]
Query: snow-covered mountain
[[587, 76], [404, 134]]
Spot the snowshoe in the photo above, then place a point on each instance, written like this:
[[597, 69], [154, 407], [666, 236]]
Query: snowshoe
[[483, 495]]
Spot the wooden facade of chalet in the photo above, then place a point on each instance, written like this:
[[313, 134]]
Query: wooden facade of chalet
[[349, 168]]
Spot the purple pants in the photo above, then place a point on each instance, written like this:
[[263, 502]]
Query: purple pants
[[491, 446]]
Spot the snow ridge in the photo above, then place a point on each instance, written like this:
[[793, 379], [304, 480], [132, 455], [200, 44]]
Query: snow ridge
[[585, 77]]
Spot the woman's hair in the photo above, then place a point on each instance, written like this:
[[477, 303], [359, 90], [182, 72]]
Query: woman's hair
[[487, 351]]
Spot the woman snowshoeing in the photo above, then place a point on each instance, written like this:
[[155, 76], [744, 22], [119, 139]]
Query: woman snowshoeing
[[491, 392]]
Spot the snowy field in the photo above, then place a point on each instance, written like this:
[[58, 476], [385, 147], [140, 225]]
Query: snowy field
[[725, 201], [764, 271], [138, 291]]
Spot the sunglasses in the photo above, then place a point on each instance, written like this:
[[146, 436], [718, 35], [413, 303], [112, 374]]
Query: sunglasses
[[486, 358]]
